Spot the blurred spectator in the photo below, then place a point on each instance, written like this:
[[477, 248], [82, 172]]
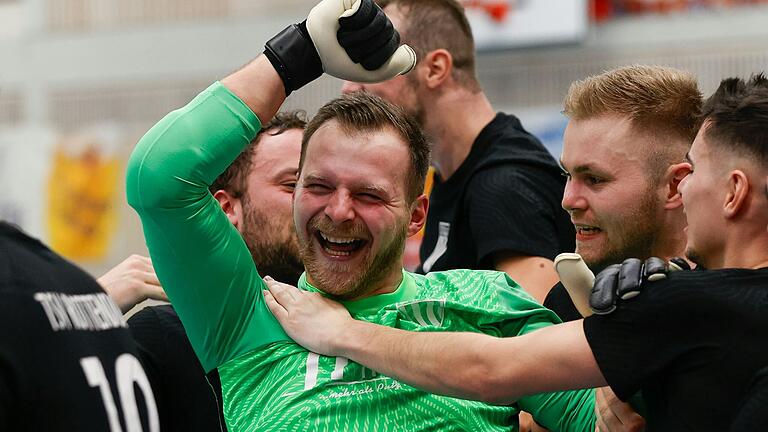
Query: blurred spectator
[[255, 193]]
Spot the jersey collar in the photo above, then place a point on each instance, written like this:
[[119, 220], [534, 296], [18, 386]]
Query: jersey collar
[[370, 305]]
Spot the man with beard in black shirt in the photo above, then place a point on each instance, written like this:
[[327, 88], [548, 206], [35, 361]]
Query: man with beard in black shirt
[[255, 193]]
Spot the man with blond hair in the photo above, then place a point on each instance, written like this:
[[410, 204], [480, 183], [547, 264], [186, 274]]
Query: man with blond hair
[[623, 154]]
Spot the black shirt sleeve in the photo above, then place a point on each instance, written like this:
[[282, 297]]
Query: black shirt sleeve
[[506, 213], [559, 302]]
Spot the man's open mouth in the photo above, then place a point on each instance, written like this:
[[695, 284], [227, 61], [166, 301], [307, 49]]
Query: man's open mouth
[[339, 246], [587, 230]]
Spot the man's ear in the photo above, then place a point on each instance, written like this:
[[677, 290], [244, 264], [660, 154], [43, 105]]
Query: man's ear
[[738, 194], [418, 215], [672, 178], [231, 206], [437, 66]]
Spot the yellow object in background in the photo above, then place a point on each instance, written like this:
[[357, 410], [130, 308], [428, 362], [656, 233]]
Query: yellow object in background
[[82, 203]]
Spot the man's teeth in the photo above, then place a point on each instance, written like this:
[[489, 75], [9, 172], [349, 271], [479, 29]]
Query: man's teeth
[[588, 230], [336, 253], [337, 239]]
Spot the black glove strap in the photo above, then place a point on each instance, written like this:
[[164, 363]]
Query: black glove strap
[[294, 57]]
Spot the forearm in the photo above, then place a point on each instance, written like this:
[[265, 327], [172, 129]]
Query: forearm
[[454, 364], [476, 366], [259, 86]]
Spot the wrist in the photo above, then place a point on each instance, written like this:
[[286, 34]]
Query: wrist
[[353, 339], [294, 57]]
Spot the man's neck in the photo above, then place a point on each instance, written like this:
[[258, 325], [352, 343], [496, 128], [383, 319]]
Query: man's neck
[[453, 122], [383, 288], [672, 238], [747, 250]]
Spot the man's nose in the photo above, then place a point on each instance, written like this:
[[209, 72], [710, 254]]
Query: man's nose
[[339, 208], [573, 199]]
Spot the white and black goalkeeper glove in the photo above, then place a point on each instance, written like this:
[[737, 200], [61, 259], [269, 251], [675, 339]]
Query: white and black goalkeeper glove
[[601, 294], [349, 39]]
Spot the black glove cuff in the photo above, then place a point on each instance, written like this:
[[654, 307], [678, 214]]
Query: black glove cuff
[[294, 57]]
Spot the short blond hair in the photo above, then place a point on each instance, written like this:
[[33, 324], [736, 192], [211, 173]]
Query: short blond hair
[[657, 99], [663, 102]]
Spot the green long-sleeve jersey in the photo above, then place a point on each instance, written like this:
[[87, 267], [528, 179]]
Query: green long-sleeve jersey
[[268, 381]]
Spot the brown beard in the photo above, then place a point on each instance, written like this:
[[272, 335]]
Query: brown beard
[[695, 258], [640, 241], [357, 281], [273, 245]]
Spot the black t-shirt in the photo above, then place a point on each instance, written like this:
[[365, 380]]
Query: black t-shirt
[[753, 413], [505, 197], [692, 343], [559, 302], [186, 398], [67, 360]]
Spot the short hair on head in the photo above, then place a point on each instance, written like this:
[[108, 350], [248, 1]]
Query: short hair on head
[[364, 112], [433, 24], [235, 178], [736, 117], [661, 101]]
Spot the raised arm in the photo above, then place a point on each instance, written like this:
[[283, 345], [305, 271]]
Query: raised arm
[[199, 257], [201, 260]]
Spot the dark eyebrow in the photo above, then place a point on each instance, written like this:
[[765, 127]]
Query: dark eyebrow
[[287, 171], [582, 169], [315, 178], [374, 189], [577, 170]]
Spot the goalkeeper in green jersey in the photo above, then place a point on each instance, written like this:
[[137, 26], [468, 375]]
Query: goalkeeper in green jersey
[[358, 197]]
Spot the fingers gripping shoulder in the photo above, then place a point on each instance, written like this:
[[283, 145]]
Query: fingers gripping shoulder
[[354, 41], [601, 294], [626, 280]]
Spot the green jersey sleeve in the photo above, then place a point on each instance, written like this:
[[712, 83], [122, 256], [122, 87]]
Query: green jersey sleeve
[[563, 411], [200, 258]]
